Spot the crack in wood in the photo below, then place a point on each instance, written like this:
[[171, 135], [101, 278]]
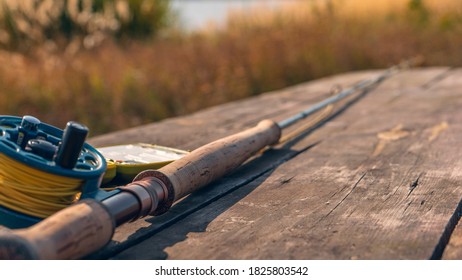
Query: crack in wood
[[446, 235], [338, 191], [407, 206], [408, 174], [341, 201], [414, 185], [437, 78], [286, 180]]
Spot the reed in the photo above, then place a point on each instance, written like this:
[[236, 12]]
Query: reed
[[115, 86]]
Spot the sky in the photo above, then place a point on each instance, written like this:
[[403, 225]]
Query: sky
[[196, 13]]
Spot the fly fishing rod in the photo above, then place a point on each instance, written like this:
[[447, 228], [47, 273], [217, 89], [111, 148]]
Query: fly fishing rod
[[88, 225]]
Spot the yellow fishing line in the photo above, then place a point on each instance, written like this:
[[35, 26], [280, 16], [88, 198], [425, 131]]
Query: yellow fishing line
[[34, 192]]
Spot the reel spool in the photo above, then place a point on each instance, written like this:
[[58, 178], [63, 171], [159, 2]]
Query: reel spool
[[39, 162]]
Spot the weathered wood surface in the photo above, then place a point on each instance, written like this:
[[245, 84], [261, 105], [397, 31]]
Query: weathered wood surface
[[382, 179]]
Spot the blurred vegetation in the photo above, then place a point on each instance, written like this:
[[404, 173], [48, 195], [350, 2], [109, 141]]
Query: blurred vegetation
[[140, 69], [29, 24]]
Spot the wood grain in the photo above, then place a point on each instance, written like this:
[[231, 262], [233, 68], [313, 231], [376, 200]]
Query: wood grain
[[381, 180], [69, 234], [212, 161]]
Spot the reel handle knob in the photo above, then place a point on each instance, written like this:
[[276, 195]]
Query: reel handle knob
[[27, 130], [30, 123], [42, 148], [71, 145]]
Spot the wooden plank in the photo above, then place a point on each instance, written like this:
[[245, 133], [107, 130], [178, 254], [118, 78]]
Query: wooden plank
[[324, 202], [453, 251], [180, 129], [192, 131]]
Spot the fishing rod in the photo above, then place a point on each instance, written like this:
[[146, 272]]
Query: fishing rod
[[89, 224]]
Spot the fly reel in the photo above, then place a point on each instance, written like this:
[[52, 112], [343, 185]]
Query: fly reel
[[44, 169]]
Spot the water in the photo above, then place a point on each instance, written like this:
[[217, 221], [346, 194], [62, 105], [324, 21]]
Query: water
[[195, 14]]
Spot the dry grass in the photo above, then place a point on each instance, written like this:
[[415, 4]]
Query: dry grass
[[114, 87]]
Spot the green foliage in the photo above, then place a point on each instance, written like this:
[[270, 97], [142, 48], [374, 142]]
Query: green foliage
[[147, 18], [26, 25]]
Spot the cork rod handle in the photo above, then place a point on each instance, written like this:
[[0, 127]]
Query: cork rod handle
[[71, 233], [218, 158], [88, 225]]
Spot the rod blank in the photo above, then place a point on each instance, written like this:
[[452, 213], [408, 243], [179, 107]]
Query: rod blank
[[362, 85], [87, 226]]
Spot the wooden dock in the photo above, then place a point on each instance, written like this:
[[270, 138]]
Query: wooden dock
[[381, 179]]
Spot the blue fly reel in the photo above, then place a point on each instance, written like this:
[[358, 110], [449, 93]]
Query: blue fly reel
[[53, 151]]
